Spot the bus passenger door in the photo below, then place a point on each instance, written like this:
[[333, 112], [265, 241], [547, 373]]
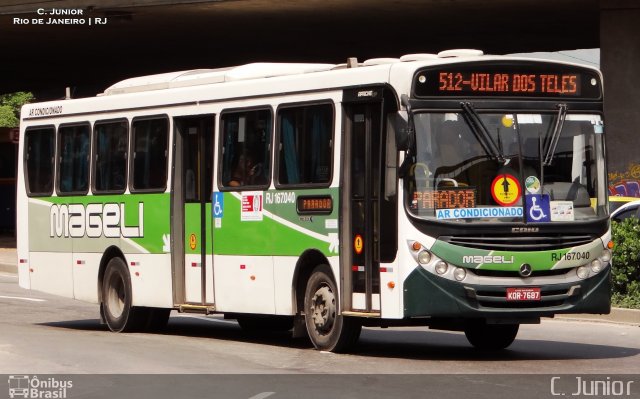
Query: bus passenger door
[[191, 208], [369, 204], [361, 202]]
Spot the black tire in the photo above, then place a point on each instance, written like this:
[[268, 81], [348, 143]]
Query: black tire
[[119, 315], [255, 323], [491, 337], [328, 330]]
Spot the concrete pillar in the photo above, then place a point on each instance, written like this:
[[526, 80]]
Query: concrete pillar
[[620, 63]]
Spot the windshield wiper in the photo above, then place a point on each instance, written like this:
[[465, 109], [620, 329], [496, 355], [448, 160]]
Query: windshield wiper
[[481, 132], [410, 134], [552, 143]]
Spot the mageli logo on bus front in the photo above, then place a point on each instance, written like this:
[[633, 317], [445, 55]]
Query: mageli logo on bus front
[[527, 80]]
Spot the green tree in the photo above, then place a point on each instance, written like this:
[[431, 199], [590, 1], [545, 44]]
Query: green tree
[[626, 263], [10, 105]]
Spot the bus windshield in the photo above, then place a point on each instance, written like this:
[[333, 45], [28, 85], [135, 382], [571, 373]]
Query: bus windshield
[[501, 167]]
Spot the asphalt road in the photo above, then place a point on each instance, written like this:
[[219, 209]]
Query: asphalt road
[[44, 334]]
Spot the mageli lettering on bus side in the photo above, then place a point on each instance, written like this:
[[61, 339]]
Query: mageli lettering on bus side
[[94, 220]]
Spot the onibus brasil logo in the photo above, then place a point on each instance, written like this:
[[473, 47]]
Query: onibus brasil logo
[[24, 386]]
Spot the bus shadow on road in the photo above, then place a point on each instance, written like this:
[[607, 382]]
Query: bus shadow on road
[[198, 327], [439, 345], [229, 330], [84, 325], [377, 343]]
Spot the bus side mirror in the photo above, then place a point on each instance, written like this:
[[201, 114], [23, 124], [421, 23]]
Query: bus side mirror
[[400, 126]]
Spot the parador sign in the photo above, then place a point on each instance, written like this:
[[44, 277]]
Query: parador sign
[[60, 16]]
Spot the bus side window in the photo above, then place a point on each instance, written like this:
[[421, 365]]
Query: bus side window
[[149, 164], [73, 172], [246, 150], [306, 135], [110, 156]]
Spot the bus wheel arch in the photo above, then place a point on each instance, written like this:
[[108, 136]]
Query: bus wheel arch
[[307, 262], [109, 253], [116, 295]]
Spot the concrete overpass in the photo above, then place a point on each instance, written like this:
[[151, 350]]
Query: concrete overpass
[[152, 36]]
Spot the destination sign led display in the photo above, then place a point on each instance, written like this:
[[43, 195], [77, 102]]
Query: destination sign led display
[[444, 199], [475, 80], [509, 83], [315, 204]]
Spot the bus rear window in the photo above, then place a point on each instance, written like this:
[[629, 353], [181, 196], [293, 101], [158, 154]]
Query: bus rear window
[[39, 153]]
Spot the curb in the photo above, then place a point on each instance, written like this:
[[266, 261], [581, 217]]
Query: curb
[[617, 315]]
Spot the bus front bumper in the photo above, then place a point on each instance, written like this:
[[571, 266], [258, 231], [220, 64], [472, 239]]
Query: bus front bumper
[[428, 295]]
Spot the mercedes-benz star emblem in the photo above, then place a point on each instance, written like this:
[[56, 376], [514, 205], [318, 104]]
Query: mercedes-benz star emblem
[[525, 270]]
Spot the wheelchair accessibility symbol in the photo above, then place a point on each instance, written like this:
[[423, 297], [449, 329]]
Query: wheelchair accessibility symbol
[[538, 208], [218, 205]]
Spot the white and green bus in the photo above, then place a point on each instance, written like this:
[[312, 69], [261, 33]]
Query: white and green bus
[[457, 191]]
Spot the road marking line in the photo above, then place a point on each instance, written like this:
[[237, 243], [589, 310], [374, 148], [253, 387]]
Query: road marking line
[[22, 298], [262, 395]]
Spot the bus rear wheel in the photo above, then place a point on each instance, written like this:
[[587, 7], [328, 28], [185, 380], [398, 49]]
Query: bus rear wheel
[[491, 337], [118, 312], [327, 330]]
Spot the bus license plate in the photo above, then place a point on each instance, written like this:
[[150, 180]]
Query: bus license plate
[[523, 294]]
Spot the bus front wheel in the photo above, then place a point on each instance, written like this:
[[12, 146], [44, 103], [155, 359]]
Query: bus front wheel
[[118, 312], [327, 330], [491, 337]]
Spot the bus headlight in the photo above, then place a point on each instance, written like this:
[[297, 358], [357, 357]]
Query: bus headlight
[[606, 256], [582, 272], [424, 257], [459, 273], [441, 267], [596, 265]]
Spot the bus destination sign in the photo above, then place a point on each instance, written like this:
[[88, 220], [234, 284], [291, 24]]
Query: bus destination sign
[[568, 84], [508, 81], [318, 204]]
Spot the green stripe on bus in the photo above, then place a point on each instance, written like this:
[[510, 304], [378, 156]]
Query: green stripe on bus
[[511, 260]]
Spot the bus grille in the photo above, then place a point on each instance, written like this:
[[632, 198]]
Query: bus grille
[[496, 299], [515, 273], [511, 243]]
